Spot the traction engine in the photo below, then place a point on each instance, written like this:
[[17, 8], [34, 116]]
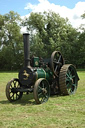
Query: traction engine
[[43, 77]]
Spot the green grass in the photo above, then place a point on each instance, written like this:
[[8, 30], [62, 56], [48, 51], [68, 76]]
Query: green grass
[[58, 112]]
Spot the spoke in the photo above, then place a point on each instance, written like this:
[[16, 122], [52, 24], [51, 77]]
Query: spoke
[[56, 68], [14, 83], [12, 97], [74, 85], [39, 91], [17, 95], [43, 84], [59, 58], [68, 75], [54, 57], [55, 62], [10, 92], [42, 100], [11, 85], [40, 94], [71, 90], [68, 85], [39, 87], [67, 79], [72, 71], [46, 88], [45, 98], [68, 90], [73, 77], [18, 85]]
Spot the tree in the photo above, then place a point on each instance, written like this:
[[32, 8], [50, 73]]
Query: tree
[[81, 44], [10, 40], [51, 32]]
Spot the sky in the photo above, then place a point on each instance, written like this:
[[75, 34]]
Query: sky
[[72, 9]]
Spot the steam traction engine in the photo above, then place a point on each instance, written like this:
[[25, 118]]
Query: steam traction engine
[[42, 77]]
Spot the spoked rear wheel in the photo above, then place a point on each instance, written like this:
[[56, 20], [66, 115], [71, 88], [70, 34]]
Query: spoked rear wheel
[[11, 94], [41, 91], [68, 79]]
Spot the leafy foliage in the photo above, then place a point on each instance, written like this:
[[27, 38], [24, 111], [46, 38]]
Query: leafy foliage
[[48, 32], [11, 41], [51, 32]]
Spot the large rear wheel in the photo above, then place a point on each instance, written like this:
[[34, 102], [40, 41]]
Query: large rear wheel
[[68, 79]]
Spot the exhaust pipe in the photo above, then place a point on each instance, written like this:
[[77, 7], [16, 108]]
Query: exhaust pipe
[[26, 49]]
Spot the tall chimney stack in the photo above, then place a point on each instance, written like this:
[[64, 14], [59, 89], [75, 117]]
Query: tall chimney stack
[[26, 49]]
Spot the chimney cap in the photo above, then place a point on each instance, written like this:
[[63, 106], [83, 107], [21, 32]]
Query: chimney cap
[[26, 34]]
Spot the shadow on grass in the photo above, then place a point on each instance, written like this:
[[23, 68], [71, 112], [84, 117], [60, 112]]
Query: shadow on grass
[[25, 100]]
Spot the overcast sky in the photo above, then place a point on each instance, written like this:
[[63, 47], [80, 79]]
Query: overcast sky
[[72, 9]]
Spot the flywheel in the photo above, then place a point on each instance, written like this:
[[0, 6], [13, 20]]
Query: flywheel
[[56, 62]]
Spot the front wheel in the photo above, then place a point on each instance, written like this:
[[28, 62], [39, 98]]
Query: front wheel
[[11, 94], [41, 91]]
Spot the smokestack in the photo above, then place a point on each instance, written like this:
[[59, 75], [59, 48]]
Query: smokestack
[[26, 49]]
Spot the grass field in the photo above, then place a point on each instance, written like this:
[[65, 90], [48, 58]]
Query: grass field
[[58, 112]]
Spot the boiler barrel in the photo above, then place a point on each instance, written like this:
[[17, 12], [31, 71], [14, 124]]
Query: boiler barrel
[[28, 75], [41, 73]]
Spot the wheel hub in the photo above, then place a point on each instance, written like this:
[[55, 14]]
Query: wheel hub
[[44, 90]]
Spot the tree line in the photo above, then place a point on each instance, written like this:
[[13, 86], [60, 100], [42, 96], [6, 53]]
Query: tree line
[[48, 32]]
